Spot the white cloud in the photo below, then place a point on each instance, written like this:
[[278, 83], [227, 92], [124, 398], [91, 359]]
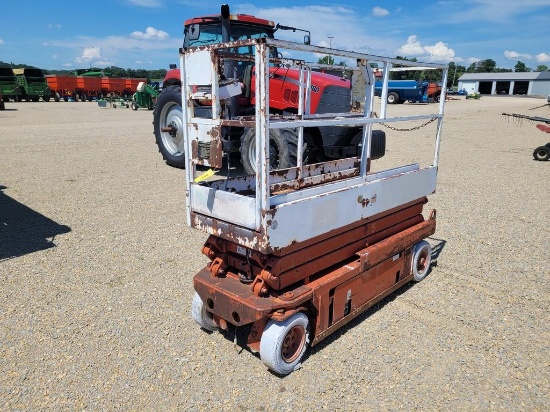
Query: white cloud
[[512, 55], [543, 58], [145, 3], [413, 48], [380, 12], [150, 34], [439, 52], [54, 26], [1, 42], [103, 63], [89, 53]]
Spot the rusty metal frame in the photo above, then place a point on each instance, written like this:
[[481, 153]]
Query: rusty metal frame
[[253, 221], [270, 258]]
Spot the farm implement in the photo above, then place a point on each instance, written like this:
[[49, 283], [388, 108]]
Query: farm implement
[[541, 153], [87, 88], [144, 97]]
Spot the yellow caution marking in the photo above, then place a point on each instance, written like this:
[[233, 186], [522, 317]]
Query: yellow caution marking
[[204, 176]]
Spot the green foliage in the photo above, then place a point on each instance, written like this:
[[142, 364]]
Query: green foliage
[[521, 67], [326, 60], [541, 68], [112, 71]]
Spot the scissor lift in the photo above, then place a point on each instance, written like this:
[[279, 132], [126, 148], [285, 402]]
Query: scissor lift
[[299, 252]]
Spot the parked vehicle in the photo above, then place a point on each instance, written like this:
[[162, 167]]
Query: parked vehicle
[[329, 94], [87, 87], [9, 86], [33, 84], [434, 92], [145, 96], [401, 91]]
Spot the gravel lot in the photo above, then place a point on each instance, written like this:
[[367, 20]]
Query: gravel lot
[[96, 267]]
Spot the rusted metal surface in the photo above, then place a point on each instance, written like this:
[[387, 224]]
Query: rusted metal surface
[[273, 190], [235, 302], [252, 240], [276, 246], [336, 295]]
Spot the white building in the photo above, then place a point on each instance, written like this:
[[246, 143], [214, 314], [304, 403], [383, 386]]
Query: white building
[[527, 83]]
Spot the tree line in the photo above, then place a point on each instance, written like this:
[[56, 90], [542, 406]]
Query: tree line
[[111, 71], [455, 70]]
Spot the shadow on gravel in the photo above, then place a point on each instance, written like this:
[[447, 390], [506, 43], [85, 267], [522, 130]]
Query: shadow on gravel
[[239, 336], [23, 230]]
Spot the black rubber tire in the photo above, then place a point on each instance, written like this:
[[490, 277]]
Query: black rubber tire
[[393, 98], [542, 153], [547, 144], [83, 97], [168, 112], [134, 106], [283, 144], [378, 143], [2, 105]]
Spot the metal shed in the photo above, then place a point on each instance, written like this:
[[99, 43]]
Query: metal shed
[[510, 83]]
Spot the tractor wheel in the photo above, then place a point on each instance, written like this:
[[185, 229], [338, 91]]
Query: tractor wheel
[[57, 97], [542, 153], [283, 344], [2, 105], [168, 116], [201, 315], [421, 259], [378, 143], [547, 144], [83, 97], [393, 98], [134, 106], [283, 151]]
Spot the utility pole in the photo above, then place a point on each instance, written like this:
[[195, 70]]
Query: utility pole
[[329, 45]]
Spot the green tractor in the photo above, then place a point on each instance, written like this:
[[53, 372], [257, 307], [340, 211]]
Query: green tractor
[[145, 96]]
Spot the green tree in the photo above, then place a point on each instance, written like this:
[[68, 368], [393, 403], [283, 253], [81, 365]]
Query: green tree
[[541, 68], [326, 60], [521, 67], [487, 66]]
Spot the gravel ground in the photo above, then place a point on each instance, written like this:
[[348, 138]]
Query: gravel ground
[[96, 267]]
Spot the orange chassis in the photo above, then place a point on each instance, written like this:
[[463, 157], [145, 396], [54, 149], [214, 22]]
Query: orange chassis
[[331, 279]]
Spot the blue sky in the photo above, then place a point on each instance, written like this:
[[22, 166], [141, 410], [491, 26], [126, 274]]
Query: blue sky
[[146, 34]]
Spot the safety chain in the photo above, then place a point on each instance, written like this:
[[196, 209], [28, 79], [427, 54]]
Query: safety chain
[[410, 129]]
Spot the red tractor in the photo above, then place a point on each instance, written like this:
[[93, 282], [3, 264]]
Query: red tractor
[[329, 94]]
